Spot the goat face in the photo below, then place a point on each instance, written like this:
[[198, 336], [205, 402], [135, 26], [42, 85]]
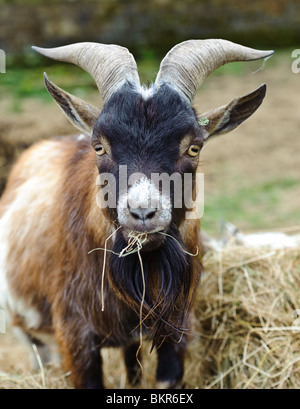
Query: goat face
[[139, 142]]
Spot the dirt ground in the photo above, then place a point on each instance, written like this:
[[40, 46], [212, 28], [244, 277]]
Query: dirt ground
[[264, 149]]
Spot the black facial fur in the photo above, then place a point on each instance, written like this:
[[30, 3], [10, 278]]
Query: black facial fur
[[145, 135]]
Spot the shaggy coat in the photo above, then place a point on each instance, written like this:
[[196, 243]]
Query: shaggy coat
[[66, 279]]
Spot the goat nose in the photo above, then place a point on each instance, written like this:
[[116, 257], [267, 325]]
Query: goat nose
[[143, 214]]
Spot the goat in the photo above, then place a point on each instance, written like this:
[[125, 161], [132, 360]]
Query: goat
[[50, 218]]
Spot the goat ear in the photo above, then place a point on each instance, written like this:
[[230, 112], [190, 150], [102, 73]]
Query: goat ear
[[227, 117], [81, 114]]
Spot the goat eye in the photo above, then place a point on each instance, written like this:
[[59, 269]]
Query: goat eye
[[99, 150], [194, 150]]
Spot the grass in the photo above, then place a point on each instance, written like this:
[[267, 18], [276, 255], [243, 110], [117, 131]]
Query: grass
[[24, 83], [257, 204]]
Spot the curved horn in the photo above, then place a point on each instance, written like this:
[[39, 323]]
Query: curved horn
[[186, 65], [110, 65]]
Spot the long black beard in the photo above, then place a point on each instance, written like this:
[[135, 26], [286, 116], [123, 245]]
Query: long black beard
[[168, 285]]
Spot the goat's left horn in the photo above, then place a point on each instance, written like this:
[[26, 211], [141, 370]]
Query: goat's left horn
[[110, 65], [187, 64]]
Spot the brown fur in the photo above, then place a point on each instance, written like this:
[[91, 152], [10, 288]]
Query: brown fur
[[48, 265]]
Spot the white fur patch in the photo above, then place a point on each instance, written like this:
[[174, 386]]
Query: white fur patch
[[82, 137], [3, 281], [7, 300], [144, 194], [20, 222], [146, 92]]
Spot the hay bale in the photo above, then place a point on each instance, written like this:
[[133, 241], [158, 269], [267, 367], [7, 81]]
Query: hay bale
[[246, 330]]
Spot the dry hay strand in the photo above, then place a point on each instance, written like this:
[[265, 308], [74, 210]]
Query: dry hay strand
[[246, 331], [50, 378]]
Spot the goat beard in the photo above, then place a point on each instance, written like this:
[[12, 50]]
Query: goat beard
[[168, 286]]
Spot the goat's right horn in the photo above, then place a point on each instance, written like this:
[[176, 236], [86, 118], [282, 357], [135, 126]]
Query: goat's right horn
[[187, 64], [110, 65]]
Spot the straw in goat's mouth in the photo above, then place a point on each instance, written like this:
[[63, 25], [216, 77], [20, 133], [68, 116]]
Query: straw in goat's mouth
[[135, 244]]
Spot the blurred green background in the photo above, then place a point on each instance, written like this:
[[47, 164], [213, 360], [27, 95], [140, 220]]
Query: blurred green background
[[147, 27]]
